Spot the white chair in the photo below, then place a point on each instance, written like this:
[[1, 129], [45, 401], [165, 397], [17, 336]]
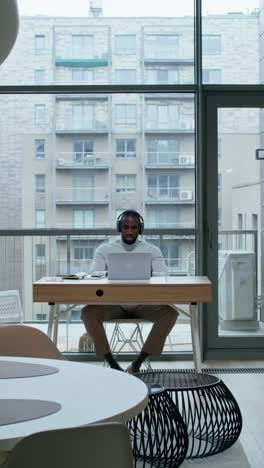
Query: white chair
[[10, 307], [131, 339], [105, 445], [134, 339]]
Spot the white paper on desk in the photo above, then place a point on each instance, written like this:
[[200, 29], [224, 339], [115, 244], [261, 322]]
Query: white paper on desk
[[95, 278]]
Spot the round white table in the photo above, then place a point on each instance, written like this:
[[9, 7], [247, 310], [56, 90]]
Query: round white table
[[87, 394]]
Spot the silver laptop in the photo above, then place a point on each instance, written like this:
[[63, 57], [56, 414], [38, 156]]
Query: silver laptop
[[129, 266]]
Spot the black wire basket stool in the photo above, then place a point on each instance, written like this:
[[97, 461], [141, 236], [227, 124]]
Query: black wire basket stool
[[209, 410], [158, 435]]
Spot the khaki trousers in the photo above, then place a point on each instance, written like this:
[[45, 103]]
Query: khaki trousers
[[162, 316]]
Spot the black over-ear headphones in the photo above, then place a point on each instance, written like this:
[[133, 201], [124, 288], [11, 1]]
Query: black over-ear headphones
[[132, 213]]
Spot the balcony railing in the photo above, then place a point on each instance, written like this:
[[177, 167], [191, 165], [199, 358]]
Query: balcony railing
[[83, 160], [28, 255], [177, 125], [159, 54], [67, 124], [81, 195], [170, 194], [170, 158]]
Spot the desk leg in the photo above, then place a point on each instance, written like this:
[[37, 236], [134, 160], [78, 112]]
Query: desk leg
[[195, 337], [51, 318], [55, 323]]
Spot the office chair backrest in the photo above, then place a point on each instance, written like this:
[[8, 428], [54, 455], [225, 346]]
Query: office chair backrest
[[105, 445], [24, 341]]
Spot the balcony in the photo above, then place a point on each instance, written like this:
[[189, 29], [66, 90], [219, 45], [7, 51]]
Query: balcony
[[168, 195], [164, 159], [175, 126], [168, 57], [81, 196], [81, 62], [82, 160], [20, 267], [28, 255], [68, 125]]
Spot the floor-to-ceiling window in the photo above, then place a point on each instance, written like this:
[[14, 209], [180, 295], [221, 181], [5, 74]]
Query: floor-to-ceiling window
[[77, 155]]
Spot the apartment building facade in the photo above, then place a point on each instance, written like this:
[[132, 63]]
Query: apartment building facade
[[77, 160]]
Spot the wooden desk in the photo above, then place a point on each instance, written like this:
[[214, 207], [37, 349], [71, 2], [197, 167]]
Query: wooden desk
[[158, 290], [87, 394]]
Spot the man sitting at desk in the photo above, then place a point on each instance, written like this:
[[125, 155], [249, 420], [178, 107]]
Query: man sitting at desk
[[130, 224]]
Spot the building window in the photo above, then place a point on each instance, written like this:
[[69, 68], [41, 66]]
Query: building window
[[162, 46], [162, 116], [254, 222], [40, 182], [41, 316], [163, 151], [212, 76], [84, 188], [125, 44], [83, 151], [125, 114], [40, 149], [126, 183], [160, 75], [163, 187], [83, 253], [40, 250], [39, 43], [83, 219], [83, 116], [211, 44], [40, 76], [125, 76], [126, 148], [171, 253], [82, 45], [169, 217], [40, 114], [40, 218], [240, 221], [82, 75]]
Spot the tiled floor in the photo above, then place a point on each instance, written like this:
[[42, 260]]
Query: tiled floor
[[248, 388]]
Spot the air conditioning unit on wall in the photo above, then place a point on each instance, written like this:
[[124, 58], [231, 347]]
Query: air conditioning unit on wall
[[186, 195], [184, 160]]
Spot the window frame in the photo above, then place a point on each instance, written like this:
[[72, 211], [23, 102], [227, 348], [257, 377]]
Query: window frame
[[126, 187], [40, 223], [82, 50], [40, 187], [122, 48], [38, 152], [40, 115], [39, 43], [127, 154], [208, 48]]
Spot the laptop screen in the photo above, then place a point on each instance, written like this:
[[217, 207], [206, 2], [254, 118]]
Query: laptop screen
[[129, 266]]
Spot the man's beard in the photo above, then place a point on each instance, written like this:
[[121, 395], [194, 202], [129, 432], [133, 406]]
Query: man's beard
[[129, 241]]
